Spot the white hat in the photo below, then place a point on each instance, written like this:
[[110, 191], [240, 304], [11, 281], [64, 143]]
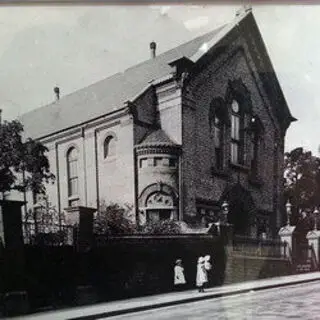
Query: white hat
[[207, 258], [201, 259]]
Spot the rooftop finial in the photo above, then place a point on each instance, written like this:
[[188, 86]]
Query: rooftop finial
[[56, 90], [153, 47]]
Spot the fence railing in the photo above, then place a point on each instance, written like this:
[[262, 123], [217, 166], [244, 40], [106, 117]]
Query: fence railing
[[259, 247], [47, 234]]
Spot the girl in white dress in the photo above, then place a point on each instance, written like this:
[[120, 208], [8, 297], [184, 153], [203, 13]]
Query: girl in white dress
[[202, 277], [179, 278]]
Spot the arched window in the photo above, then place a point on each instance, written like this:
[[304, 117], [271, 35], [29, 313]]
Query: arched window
[[240, 105], [256, 130], [109, 147], [218, 118], [237, 138], [72, 167]]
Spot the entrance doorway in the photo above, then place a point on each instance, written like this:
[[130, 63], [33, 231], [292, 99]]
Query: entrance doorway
[[241, 209]]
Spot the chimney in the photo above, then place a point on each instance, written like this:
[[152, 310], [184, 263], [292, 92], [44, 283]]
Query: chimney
[[153, 47], [56, 90]]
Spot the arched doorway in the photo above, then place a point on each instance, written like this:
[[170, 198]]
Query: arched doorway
[[241, 209]]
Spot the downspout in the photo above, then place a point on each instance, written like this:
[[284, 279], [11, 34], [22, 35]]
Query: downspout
[[84, 166], [132, 111], [136, 205], [180, 178], [97, 168], [58, 184]]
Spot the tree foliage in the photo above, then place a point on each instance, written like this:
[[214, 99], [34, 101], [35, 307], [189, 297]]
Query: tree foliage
[[113, 219], [302, 180], [162, 227], [23, 164]]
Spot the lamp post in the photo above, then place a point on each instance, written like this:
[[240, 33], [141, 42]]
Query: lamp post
[[289, 212], [225, 211], [315, 212]]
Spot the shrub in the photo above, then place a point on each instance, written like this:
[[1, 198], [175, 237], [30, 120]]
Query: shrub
[[160, 227], [111, 220]]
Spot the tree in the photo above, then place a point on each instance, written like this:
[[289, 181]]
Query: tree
[[112, 220], [23, 164], [301, 180]]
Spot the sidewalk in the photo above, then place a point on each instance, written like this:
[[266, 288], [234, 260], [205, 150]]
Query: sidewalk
[[109, 309]]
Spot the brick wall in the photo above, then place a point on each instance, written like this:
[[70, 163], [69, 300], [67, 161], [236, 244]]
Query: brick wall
[[241, 268], [209, 82]]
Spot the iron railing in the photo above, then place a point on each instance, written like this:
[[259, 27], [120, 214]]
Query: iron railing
[[259, 247], [47, 234]]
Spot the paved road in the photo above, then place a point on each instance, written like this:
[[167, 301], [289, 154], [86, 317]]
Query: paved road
[[292, 302]]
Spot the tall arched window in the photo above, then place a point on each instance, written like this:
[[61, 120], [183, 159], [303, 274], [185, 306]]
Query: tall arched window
[[256, 130], [72, 167], [218, 119], [109, 146], [239, 101], [237, 138]]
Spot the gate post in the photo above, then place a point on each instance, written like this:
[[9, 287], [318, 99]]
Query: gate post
[[15, 300], [314, 241], [81, 218], [286, 236]]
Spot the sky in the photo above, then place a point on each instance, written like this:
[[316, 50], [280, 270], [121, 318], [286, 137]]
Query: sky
[[71, 47]]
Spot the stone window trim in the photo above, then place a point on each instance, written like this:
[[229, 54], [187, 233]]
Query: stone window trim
[[160, 161], [157, 187], [71, 146], [72, 162], [238, 100], [109, 137], [218, 121], [73, 198]]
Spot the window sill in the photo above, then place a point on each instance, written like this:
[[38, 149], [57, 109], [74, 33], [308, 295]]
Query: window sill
[[74, 197], [239, 167]]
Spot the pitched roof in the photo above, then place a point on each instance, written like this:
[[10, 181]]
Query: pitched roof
[[158, 137], [111, 93], [106, 95]]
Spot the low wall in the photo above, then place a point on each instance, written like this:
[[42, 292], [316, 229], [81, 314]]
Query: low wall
[[123, 267], [241, 268]]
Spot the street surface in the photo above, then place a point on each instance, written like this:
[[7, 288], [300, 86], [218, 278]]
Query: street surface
[[290, 302]]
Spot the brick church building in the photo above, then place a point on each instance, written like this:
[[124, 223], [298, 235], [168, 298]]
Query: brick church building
[[176, 135]]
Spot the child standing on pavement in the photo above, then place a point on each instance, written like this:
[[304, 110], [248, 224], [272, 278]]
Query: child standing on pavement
[[202, 277], [179, 278]]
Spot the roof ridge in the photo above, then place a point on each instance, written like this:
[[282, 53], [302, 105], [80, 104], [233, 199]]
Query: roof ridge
[[174, 48], [119, 73], [107, 94]]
